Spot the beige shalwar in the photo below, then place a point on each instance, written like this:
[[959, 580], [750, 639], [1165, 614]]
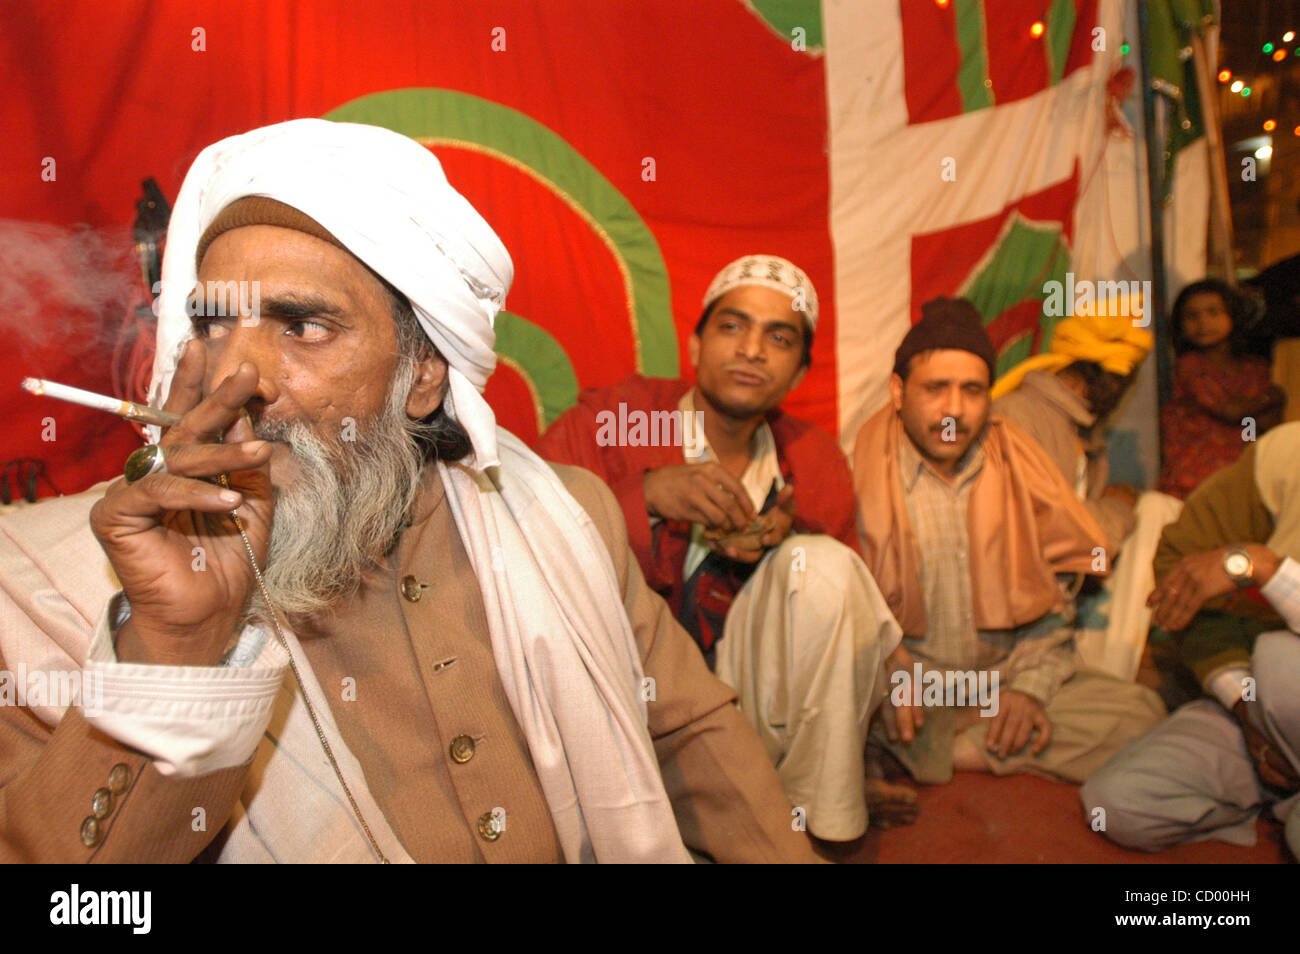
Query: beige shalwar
[[803, 647]]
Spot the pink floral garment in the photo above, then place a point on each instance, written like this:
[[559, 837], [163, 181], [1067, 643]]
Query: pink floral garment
[[1195, 442]]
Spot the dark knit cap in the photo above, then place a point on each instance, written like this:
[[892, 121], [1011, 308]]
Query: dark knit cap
[[947, 324], [259, 210]]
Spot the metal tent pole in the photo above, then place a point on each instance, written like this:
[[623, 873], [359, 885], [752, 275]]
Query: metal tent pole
[[1155, 191]]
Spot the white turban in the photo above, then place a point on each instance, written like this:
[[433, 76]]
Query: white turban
[[385, 198], [564, 647]]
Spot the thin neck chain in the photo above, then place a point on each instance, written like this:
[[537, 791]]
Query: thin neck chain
[[297, 676]]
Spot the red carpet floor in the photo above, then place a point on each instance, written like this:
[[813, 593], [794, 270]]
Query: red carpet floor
[[1026, 820]]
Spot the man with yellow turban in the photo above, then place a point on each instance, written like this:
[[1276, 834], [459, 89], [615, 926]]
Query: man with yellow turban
[[1063, 398]]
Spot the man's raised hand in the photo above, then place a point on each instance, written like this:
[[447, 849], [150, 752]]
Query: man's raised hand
[[777, 524], [169, 536], [705, 493]]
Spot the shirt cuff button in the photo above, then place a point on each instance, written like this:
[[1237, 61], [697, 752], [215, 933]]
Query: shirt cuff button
[[91, 832], [119, 778]]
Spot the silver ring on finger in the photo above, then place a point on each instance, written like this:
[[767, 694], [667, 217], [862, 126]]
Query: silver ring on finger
[[145, 462]]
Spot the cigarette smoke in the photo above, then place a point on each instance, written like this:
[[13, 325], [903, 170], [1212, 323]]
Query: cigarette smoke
[[64, 285]]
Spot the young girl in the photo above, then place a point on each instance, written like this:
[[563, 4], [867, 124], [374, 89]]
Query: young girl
[[1216, 385]]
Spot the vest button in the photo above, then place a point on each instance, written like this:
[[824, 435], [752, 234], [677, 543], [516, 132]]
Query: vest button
[[490, 826], [462, 749], [411, 589]]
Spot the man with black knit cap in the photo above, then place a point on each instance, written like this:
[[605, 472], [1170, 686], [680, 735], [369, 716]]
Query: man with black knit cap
[[968, 527]]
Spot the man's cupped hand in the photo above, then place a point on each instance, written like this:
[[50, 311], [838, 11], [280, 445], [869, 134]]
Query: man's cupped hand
[[170, 536]]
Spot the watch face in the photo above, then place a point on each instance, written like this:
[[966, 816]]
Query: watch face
[[1237, 564]]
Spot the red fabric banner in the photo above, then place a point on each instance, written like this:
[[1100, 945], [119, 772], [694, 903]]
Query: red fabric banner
[[730, 116]]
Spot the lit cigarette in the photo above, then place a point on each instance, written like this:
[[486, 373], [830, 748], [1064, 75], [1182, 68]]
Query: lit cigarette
[[140, 413]]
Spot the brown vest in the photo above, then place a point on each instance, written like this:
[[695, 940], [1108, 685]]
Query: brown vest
[[424, 675]]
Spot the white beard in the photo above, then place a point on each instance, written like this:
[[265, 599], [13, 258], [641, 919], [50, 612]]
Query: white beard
[[345, 506]]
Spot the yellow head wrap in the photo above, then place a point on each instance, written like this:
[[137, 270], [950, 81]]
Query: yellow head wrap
[[1110, 340]]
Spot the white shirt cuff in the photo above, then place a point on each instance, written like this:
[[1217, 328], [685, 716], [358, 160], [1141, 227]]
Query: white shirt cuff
[[191, 720], [1227, 685], [1283, 592]]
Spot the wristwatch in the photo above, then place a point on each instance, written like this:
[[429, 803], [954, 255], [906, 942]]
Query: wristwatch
[[1239, 567]]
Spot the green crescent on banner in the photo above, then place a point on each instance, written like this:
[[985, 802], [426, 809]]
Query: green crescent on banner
[[447, 117], [541, 360]]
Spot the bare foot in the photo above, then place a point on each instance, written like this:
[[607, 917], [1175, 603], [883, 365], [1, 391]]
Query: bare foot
[[890, 804]]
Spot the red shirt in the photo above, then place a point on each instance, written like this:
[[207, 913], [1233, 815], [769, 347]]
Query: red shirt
[[1196, 443], [824, 501]]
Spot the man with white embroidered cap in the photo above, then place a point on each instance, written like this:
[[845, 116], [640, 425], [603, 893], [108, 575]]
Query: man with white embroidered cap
[[744, 520], [442, 652]]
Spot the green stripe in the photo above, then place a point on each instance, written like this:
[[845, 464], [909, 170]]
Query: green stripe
[[1060, 32], [973, 45], [1027, 256], [784, 15], [433, 113], [544, 360]]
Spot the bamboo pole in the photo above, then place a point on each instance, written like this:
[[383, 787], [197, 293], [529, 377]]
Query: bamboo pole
[[1220, 204]]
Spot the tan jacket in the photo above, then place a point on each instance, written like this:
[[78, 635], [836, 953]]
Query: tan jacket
[[1026, 525], [1254, 500], [55, 581]]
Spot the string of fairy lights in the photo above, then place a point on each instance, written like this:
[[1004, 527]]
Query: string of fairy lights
[[1038, 27], [1277, 52]]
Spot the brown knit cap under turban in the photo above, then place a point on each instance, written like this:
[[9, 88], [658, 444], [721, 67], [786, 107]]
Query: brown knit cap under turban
[[259, 210]]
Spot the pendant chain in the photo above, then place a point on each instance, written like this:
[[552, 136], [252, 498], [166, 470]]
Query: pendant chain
[[302, 689]]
